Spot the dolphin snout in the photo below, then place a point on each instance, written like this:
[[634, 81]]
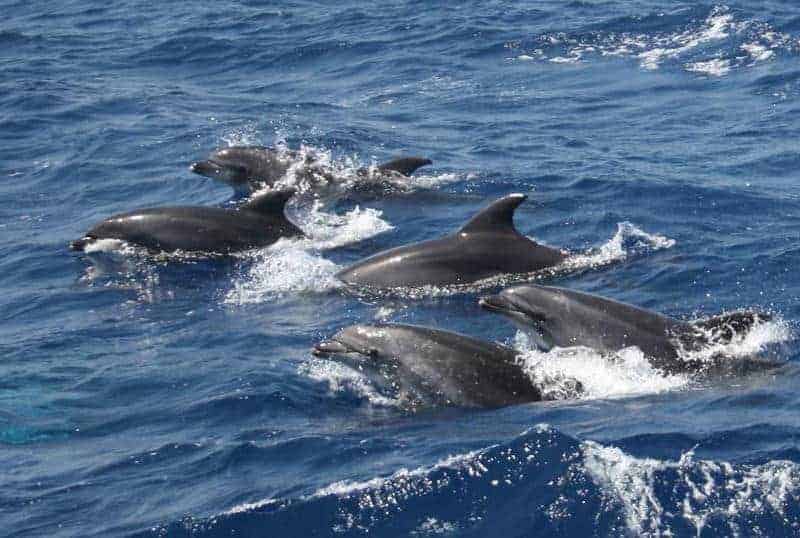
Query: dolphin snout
[[328, 348], [495, 303], [204, 168]]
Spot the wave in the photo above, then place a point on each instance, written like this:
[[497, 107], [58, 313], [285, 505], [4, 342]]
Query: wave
[[541, 482], [712, 46]]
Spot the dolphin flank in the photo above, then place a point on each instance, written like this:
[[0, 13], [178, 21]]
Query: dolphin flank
[[486, 246], [560, 317], [458, 369], [250, 168], [258, 223]]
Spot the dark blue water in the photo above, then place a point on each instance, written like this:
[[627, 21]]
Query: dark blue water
[[657, 141]]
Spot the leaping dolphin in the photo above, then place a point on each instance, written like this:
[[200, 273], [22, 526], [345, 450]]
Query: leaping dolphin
[[488, 245], [562, 317], [258, 223]]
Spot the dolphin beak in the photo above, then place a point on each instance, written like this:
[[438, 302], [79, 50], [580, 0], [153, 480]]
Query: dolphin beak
[[328, 348], [79, 245], [496, 303], [206, 168]]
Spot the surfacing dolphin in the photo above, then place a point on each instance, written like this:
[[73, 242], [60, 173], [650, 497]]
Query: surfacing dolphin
[[561, 317], [488, 245], [447, 367], [250, 168], [258, 223]]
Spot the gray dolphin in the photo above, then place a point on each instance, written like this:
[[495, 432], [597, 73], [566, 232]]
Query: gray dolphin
[[561, 318], [457, 369], [258, 223], [249, 168], [487, 245]]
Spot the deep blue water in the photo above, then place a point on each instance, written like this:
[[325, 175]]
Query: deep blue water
[[657, 141]]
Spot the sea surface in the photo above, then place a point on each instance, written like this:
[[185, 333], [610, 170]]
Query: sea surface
[[656, 141]]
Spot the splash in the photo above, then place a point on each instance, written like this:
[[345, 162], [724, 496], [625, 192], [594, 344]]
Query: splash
[[298, 266], [343, 379], [328, 230], [719, 43], [702, 490], [623, 374], [756, 340], [629, 240], [285, 267]]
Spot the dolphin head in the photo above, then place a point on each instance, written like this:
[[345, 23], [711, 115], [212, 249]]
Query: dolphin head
[[356, 341], [537, 309], [235, 165]]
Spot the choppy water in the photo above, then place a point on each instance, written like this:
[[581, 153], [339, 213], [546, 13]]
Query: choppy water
[[658, 143]]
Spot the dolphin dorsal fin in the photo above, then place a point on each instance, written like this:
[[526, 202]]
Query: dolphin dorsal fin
[[405, 165], [270, 202], [498, 217]]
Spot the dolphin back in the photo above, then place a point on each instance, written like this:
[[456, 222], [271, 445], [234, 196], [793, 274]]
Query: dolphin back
[[404, 165]]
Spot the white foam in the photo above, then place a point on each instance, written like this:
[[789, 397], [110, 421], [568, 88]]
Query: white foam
[[285, 267], [109, 246], [749, 343], [297, 265], [433, 526], [403, 484], [246, 135], [716, 27], [249, 507], [758, 52], [715, 37], [716, 68], [713, 489], [628, 240], [623, 374], [340, 378], [328, 230]]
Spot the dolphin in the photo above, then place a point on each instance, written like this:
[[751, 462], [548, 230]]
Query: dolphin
[[450, 367], [561, 317], [486, 246], [258, 223], [250, 168]]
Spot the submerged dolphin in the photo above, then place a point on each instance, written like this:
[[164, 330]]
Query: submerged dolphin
[[253, 167], [561, 318], [487, 245], [449, 366], [258, 223]]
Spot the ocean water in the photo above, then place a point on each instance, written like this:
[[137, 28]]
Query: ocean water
[[657, 141]]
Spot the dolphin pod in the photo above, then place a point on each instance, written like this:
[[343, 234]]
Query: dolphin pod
[[250, 168], [430, 363], [486, 246]]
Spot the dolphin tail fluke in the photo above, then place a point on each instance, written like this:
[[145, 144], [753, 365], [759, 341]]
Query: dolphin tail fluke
[[405, 165]]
